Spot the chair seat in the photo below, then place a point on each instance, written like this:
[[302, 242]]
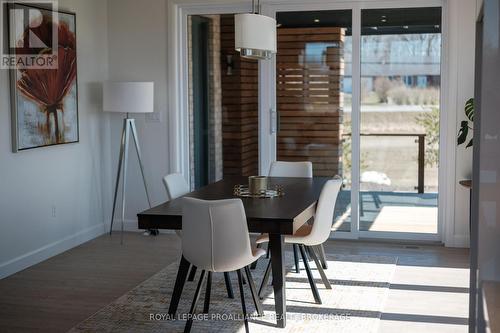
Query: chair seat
[[299, 237], [242, 262], [257, 252]]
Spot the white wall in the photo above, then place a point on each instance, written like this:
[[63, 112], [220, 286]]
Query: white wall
[[461, 20], [68, 177], [489, 153], [137, 52]]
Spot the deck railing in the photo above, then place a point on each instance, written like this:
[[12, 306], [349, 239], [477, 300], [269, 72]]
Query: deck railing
[[420, 139]]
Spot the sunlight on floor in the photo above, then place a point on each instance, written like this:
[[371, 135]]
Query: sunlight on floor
[[430, 299]]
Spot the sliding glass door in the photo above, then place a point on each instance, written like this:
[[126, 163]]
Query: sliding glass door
[[313, 96], [399, 129], [357, 93], [354, 88]]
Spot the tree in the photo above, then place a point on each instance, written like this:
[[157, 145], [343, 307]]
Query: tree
[[382, 85]]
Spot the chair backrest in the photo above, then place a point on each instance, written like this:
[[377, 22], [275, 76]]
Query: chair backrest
[[323, 219], [176, 185], [291, 169], [215, 234]]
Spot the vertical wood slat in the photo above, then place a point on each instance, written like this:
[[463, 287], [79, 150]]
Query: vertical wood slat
[[309, 98]]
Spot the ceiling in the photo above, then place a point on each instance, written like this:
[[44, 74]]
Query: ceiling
[[374, 21]]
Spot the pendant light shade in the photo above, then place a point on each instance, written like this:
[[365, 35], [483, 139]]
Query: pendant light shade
[[255, 36]]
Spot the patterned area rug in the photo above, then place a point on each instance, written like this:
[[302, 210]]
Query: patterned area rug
[[360, 287]]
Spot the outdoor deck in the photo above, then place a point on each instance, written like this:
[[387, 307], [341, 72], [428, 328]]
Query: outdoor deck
[[390, 211]]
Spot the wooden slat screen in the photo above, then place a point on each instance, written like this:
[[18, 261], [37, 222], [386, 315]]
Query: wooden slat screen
[[240, 126], [309, 97]]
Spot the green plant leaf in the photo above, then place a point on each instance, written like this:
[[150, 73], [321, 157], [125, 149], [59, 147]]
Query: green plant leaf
[[463, 132], [469, 109], [430, 122], [470, 143]]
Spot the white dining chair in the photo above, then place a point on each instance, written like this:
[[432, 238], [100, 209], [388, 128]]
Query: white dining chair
[[176, 187], [215, 238], [310, 236], [291, 169], [298, 170], [294, 170]]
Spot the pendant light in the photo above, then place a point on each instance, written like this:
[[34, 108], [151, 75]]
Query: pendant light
[[255, 34]]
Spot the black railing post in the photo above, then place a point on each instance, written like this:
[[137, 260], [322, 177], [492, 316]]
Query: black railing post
[[421, 163]]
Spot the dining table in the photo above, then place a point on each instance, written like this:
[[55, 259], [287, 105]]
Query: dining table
[[276, 216]]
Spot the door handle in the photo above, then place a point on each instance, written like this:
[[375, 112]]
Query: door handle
[[273, 120]]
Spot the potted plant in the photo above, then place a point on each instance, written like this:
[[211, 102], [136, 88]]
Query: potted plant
[[466, 126]]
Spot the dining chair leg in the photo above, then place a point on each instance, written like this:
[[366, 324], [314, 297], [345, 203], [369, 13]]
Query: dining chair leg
[[254, 264], [265, 279], [314, 289], [296, 257], [182, 273], [229, 286], [192, 273], [308, 254], [253, 290], [242, 295], [243, 279], [196, 298], [207, 293], [322, 256], [320, 270], [268, 255]]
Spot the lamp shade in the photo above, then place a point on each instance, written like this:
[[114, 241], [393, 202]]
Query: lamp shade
[[255, 36], [128, 97]]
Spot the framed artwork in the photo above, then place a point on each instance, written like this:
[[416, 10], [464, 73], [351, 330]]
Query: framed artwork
[[44, 89]]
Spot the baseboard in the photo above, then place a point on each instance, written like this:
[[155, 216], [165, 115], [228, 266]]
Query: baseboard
[[131, 226], [459, 241], [128, 225], [34, 257]]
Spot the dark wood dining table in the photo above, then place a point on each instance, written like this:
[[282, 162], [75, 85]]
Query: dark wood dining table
[[276, 216]]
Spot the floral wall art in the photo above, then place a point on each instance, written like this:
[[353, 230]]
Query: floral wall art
[[44, 78]]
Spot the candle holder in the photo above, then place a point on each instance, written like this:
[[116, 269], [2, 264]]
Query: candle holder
[[257, 184]]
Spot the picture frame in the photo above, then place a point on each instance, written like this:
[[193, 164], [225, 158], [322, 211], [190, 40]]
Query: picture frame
[[44, 98]]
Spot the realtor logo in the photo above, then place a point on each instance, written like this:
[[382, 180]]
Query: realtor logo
[[30, 39]]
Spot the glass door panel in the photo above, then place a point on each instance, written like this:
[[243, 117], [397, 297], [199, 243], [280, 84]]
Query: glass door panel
[[223, 102], [313, 95], [400, 100]]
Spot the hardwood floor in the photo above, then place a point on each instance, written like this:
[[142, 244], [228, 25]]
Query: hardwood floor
[[58, 293], [429, 291]]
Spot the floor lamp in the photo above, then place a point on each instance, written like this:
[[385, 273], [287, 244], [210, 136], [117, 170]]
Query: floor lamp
[[127, 97]]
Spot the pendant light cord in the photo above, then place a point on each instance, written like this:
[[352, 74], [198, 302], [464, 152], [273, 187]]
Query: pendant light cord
[[255, 10]]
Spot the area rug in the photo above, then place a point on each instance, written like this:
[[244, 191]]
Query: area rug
[[360, 286]]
